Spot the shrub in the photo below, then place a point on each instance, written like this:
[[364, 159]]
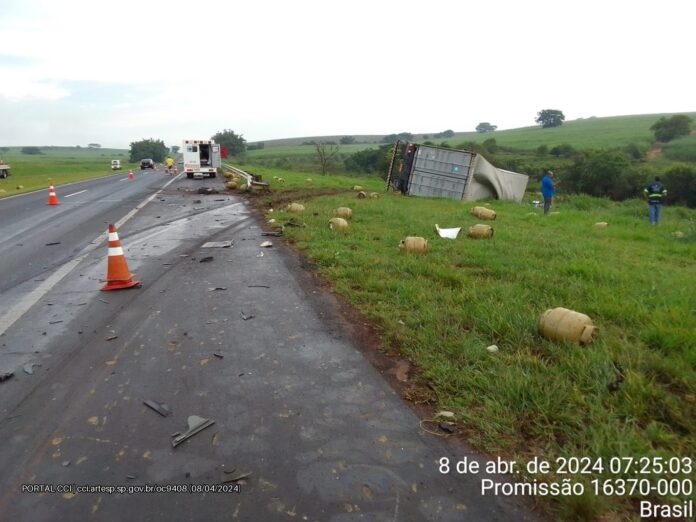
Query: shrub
[[680, 181]]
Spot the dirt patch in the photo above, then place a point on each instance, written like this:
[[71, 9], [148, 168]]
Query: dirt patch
[[654, 153], [264, 201]]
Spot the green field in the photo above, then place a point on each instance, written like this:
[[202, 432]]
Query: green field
[[631, 393], [611, 132], [57, 166]]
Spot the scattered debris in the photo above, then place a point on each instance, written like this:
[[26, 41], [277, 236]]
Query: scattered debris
[[102, 300], [195, 201], [292, 223], [159, 407], [260, 254], [266, 244], [445, 414], [447, 233], [218, 355], [206, 259], [207, 191], [131, 477], [236, 478], [446, 427], [196, 424], [401, 370], [112, 337], [214, 288], [492, 348], [217, 244], [54, 243], [219, 200], [277, 233], [29, 368], [5, 376], [65, 463], [54, 322], [270, 221], [258, 286], [246, 317]]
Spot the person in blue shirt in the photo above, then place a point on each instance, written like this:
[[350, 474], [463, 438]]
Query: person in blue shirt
[[655, 192], [548, 189]]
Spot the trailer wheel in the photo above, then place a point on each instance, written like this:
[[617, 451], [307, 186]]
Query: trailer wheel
[[3, 174], [213, 174], [189, 175]]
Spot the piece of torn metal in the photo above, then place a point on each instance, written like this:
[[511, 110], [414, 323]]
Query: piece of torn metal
[[206, 259], [112, 337], [258, 286], [266, 244], [214, 288], [217, 244], [236, 478], [246, 317], [29, 368], [5, 376], [260, 254], [218, 355], [276, 233], [196, 424], [448, 233], [54, 243], [159, 407]]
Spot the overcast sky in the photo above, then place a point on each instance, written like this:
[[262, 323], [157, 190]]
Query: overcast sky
[[82, 71]]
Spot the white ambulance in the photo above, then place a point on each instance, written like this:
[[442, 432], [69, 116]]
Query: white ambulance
[[201, 158]]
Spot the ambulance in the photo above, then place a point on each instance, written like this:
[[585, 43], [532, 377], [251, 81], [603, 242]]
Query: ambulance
[[201, 158]]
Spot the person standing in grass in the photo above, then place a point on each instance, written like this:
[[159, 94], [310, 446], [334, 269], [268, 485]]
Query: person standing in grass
[[548, 189], [654, 193]]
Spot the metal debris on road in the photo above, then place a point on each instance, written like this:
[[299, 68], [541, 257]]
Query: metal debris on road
[[196, 424], [258, 286], [260, 254], [131, 477], [236, 478], [445, 427], [213, 288], [5, 376], [54, 243], [218, 355], [107, 302], [29, 368], [112, 337], [65, 463], [206, 259], [277, 233], [159, 407], [195, 201], [54, 322], [217, 244], [266, 244], [246, 317]]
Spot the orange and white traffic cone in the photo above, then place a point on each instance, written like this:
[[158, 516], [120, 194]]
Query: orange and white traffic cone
[[52, 198], [118, 276], [130, 174]]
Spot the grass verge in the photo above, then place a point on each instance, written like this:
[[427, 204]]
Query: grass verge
[[632, 393]]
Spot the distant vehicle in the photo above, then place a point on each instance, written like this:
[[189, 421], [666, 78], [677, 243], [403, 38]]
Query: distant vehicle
[[201, 158], [147, 164], [4, 169], [115, 164]]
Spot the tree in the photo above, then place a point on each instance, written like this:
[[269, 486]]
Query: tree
[[550, 118], [491, 145], [155, 149], [236, 144], [31, 150], [484, 127], [666, 129], [393, 138], [564, 150], [175, 149], [444, 134], [370, 160], [326, 152], [347, 140], [680, 180], [602, 173], [93, 146]]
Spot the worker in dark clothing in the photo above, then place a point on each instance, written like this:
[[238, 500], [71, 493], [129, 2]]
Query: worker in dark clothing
[[655, 193]]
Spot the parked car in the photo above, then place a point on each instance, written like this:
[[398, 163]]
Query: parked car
[[115, 164], [147, 164]]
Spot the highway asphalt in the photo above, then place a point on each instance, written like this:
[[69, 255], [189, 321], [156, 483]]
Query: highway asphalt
[[304, 428]]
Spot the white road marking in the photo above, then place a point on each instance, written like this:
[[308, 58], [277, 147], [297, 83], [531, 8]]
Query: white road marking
[[124, 179], [33, 297], [75, 193]]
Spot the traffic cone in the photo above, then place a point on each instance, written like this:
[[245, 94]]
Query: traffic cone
[[130, 174], [118, 276], [52, 198]]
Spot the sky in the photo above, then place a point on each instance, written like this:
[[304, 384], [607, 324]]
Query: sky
[[75, 72]]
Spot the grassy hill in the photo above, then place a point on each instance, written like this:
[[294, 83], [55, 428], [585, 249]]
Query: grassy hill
[[617, 131]]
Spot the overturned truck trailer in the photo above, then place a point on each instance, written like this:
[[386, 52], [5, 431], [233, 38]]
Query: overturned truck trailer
[[423, 170]]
